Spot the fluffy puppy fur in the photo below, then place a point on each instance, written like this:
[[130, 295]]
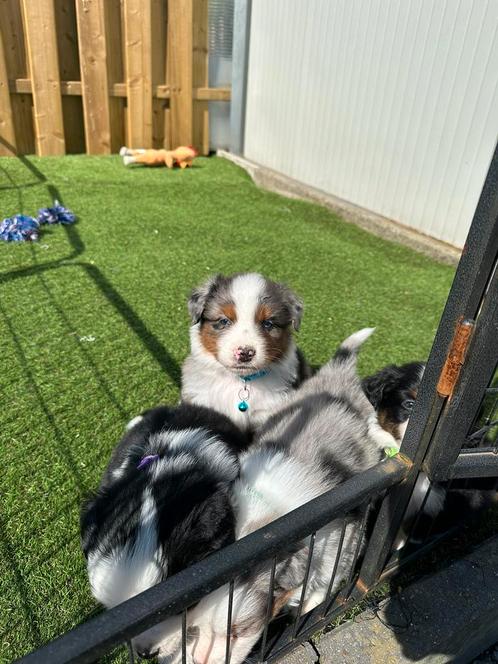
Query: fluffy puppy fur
[[242, 325], [146, 523], [392, 392], [319, 438]]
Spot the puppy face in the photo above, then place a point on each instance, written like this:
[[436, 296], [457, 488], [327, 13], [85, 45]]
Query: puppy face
[[244, 321], [392, 392]]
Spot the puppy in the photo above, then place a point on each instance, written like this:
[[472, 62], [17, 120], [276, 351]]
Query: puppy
[[163, 502], [310, 444], [392, 392], [243, 359]]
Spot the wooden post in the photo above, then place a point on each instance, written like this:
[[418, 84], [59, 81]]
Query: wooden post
[[39, 21], [200, 115], [180, 57], [7, 132], [138, 30], [95, 86]]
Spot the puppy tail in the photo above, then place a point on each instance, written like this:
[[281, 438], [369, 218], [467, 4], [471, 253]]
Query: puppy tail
[[351, 345]]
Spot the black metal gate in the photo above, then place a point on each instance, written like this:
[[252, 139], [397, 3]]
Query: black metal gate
[[452, 437]]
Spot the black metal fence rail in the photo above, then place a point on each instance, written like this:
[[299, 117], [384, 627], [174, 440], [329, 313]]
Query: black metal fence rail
[[91, 640]]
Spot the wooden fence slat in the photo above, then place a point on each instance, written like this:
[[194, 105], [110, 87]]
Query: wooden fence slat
[[94, 82], [158, 39], [200, 118], [39, 22], [180, 55], [69, 70], [137, 19], [7, 131], [14, 44], [115, 72]]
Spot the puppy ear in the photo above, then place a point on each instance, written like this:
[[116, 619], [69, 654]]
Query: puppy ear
[[199, 297], [380, 384], [295, 306]]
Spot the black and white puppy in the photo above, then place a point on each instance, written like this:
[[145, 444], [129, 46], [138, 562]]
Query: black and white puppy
[[163, 502], [243, 360], [392, 391], [317, 439]]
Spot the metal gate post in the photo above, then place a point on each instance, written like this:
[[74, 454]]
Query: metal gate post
[[468, 288]]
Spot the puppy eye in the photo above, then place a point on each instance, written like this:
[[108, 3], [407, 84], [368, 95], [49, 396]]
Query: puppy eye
[[408, 404], [224, 322], [267, 325]]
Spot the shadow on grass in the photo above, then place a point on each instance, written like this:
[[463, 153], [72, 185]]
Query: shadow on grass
[[149, 340], [63, 450], [30, 621]]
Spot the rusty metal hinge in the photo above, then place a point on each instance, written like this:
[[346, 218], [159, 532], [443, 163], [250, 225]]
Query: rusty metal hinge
[[455, 358]]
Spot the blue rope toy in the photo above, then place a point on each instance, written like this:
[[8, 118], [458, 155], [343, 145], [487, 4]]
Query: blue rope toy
[[57, 214], [19, 228], [23, 228]]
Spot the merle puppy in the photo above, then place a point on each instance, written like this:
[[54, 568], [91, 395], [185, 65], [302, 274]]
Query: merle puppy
[[325, 433], [163, 502], [243, 360]]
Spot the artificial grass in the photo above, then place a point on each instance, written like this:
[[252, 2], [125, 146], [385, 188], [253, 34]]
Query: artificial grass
[[94, 329]]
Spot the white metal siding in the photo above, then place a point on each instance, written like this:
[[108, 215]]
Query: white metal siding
[[391, 105]]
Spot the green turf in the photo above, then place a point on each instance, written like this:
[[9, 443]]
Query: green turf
[[120, 276]]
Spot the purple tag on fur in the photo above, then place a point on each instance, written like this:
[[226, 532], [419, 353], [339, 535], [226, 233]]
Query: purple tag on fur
[[145, 460]]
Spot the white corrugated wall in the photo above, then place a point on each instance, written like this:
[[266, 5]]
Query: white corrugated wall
[[391, 105]]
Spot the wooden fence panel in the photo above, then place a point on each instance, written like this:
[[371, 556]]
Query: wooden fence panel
[[39, 21], [17, 67], [159, 40], [200, 109], [115, 71], [69, 70], [7, 132], [95, 85], [180, 16], [97, 74], [137, 19]]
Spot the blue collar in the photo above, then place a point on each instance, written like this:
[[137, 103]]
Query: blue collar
[[259, 374]]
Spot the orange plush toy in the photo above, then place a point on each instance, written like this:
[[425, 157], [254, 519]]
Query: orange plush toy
[[183, 156]]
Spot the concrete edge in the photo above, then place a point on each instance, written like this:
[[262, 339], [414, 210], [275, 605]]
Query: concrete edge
[[374, 223]]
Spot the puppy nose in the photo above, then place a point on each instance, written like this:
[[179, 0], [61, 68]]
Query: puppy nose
[[244, 353], [145, 653]]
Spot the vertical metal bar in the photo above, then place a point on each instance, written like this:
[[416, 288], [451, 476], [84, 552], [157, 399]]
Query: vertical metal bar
[[131, 653], [184, 636], [240, 62], [419, 514], [361, 539], [229, 621], [475, 376], [305, 583], [269, 606], [336, 563]]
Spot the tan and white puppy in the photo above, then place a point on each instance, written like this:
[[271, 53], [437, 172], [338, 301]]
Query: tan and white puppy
[[243, 360]]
